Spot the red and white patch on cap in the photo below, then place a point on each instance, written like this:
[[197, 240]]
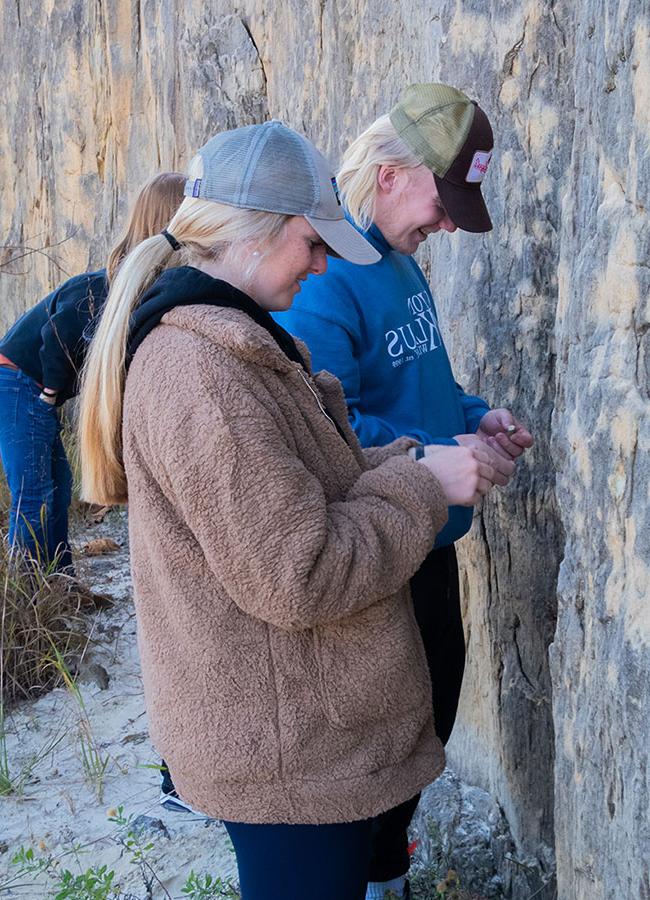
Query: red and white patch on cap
[[479, 166]]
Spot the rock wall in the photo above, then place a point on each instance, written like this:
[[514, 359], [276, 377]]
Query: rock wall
[[600, 657], [113, 93], [547, 314]]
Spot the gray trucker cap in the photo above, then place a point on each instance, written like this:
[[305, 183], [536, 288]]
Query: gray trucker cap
[[273, 168]]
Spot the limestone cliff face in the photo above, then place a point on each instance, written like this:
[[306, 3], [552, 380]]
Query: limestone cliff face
[[600, 657], [547, 314], [99, 96]]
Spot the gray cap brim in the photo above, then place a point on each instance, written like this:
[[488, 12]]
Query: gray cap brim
[[345, 240]]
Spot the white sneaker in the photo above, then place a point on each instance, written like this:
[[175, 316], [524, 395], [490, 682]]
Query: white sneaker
[[173, 802]]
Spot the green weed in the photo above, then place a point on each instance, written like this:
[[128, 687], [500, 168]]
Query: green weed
[[95, 883], [206, 887], [99, 882], [12, 779], [93, 761]]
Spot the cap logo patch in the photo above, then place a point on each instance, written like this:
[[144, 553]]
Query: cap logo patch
[[196, 189], [479, 166], [335, 188]]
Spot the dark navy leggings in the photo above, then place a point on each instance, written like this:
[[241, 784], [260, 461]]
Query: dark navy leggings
[[302, 862]]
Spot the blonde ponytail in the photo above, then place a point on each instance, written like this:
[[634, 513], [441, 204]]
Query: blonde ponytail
[[102, 384], [206, 230]]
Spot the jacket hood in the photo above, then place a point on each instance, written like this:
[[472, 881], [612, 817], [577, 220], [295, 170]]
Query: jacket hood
[[187, 297], [234, 330]]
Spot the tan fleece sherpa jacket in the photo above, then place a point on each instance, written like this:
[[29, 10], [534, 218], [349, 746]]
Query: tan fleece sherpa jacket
[[284, 675]]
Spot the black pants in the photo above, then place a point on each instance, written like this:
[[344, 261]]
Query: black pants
[[436, 599]]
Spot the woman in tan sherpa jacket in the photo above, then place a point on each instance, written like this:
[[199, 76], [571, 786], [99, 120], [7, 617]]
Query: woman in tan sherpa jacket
[[284, 677]]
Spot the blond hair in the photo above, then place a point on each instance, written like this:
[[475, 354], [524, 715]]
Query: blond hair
[[156, 203], [206, 230], [379, 145]]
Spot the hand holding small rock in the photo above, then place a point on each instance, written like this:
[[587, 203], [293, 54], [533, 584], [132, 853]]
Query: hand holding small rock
[[465, 473]]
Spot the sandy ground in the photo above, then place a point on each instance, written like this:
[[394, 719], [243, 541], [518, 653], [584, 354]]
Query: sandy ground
[[58, 812]]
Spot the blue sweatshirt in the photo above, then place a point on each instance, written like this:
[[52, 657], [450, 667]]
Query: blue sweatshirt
[[376, 328], [50, 340]]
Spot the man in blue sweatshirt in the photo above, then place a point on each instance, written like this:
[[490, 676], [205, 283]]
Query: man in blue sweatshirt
[[413, 173]]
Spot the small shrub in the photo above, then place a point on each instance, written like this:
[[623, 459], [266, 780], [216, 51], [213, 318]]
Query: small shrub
[[207, 887], [437, 880], [95, 883]]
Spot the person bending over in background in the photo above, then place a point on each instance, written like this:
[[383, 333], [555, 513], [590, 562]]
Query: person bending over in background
[[412, 173], [40, 360], [284, 675]]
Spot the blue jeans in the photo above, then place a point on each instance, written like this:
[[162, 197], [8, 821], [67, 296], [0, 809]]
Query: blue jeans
[[296, 862], [37, 470]]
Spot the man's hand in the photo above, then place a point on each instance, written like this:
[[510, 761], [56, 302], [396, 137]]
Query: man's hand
[[500, 430], [503, 466]]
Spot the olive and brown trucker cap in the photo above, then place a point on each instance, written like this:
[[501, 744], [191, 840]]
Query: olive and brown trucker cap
[[453, 136]]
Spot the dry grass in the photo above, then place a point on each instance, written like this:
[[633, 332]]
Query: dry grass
[[93, 760], [40, 620], [44, 628], [43, 635], [39, 609], [69, 438], [5, 502]]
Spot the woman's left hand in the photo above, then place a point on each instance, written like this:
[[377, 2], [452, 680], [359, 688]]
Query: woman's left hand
[[504, 433]]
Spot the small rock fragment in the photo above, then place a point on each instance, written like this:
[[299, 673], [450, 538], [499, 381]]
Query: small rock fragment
[[93, 673], [149, 824], [99, 546]]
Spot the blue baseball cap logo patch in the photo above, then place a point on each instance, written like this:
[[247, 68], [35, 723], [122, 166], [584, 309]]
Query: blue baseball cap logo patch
[[336, 190]]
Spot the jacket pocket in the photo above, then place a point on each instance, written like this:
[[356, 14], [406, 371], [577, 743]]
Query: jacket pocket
[[372, 666]]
